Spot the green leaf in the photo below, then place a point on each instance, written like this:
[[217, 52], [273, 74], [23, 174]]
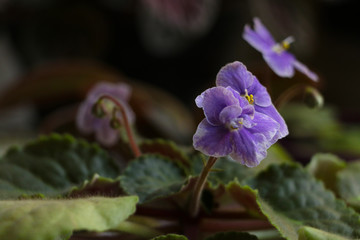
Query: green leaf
[[138, 229], [344, 141], [166, 148], [276, 154], [97, 186], [246, 197], [57, 219], [309, 233], [348, 184], [324, 166], [170, 237], [52, 165], [228, 170], [151, 176], [232, 236], [306, 122], [291, 198]]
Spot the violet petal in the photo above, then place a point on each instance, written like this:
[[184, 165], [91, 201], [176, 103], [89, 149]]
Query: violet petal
[[305, 70], [261, 95], [212, 140], [229, 113], [246, 149], [281, 63], [214, 100], [274, 114], [236, 76]]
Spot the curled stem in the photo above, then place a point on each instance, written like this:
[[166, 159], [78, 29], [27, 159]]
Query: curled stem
[[199, 187], [311, 96], [288, 94], [119, 106]]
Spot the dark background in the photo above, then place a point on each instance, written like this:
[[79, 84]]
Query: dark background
[[122, 35]]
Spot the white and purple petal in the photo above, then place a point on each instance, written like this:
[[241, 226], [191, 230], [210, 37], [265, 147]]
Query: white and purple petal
[[248, 109], [229, 113], [266, 126], [234, 125], [274, 114], [247, 148], [214, 100], [212, 140], [236, 76]]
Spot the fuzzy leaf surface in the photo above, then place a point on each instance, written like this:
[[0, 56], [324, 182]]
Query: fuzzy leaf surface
[[52, 165], [97, 186], [57, 219], [166, 148], [170, 236], [309, 233], [291, 199], [348, 184], [151, 176], [324, 166]]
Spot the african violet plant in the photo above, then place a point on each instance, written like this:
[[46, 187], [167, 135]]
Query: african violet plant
[[235, 183]]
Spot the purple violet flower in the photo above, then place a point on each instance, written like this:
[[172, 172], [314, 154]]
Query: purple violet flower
[[279, 60], [233, 127], [236, 76], [88, 123]]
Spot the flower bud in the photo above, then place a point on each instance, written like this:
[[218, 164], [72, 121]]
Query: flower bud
[[98, 110], [115, 123], [313, 98]]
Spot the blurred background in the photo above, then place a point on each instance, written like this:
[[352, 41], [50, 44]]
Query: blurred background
[[53, 51]]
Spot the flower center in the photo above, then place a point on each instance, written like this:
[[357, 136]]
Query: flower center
[[248, 97], [235, 124], [284, 45]]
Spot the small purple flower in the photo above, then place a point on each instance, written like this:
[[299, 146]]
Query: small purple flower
[[233, 127], [88, 123], [275, 54], [236, 76]]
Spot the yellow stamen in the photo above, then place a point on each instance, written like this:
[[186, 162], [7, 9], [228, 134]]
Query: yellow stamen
[[248, 97], [285, 45], [233, 127], [286, 42]]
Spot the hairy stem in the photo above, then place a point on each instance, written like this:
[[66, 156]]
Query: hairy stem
[[199, 187], [121, 109]]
